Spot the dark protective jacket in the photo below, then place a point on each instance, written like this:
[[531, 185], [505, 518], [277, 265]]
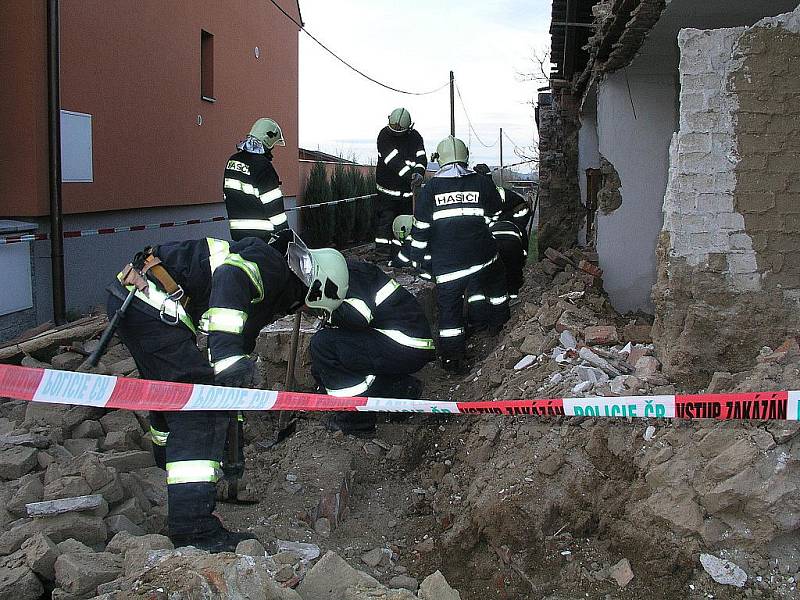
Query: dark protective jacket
[[376, 301], [450, 223], [508, 230], [253, 196], [234, 290], [514, 208], [399, 156]]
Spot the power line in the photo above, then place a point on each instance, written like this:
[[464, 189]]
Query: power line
[[469, 121], [347, 64]]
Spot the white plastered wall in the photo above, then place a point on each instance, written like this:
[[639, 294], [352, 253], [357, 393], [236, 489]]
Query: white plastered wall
[[637, 144]]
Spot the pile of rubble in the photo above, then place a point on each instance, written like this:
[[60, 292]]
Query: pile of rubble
[[567, 340], [570, 498]]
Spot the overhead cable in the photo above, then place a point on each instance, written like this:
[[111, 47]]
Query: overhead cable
[[469, 121], [348, 65]]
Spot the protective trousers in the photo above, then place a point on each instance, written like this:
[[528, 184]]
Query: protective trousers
[[189, 445], [487, 306], [359, 362], [512, 254], [387, 208]]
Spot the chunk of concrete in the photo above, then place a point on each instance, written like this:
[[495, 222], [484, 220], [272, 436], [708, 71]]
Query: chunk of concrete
[[404, 582], [621, 572], [40, 555], [70, 486], [118, 523], [85, 527], [125, 462], [19, 583], [67, 361], [65, 505], [723, 571], [78, 446], [17, 461], [73, 546], [30, 490], [59, 415], [121, 420], [251, 548], [435, 587], [82, 573], [131, 509], [331, 576], [120, 441], [377, 556], [88, 429], [124, 541]]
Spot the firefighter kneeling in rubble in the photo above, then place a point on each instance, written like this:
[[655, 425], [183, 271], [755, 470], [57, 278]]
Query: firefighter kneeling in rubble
[[374, 333], [231, 291], [450, 230], [510, 231]]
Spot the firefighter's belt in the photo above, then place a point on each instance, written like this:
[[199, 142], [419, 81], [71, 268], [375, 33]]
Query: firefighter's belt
[[152, 264]]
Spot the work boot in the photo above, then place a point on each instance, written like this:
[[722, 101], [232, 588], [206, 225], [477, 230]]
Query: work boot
[[220, 540], [352, 423], [455, 366]]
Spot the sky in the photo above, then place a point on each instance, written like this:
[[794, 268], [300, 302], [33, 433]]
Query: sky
[[413, 45]]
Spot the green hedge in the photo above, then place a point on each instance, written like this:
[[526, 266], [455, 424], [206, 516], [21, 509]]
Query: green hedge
[[340, 224]]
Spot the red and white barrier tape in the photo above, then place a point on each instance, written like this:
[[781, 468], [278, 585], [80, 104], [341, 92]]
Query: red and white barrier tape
[[83, 389], [36, 237]]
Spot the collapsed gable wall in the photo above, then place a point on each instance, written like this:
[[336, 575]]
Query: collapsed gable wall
[[729, 251]]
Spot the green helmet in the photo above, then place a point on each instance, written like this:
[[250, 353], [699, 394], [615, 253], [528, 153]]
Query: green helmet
[[400, 120], [452, 150], [330, 279], [401, 226], [268, 132]]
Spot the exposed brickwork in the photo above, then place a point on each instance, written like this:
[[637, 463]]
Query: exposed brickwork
[[729, 254], [560, 208]]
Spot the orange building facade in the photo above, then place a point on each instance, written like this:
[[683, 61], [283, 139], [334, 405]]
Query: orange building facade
[[160, 92]]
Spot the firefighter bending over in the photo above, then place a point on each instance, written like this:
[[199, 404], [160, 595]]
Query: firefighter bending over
[[374, 334], [230, 291]]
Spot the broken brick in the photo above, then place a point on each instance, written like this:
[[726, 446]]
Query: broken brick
[[601, 335], [588, 267]]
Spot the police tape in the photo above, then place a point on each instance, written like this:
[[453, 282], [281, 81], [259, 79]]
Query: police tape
[[330, 202], [106, 391], [38, 237]]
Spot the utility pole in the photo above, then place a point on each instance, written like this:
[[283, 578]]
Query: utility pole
[[501, 157], [54, 139], [452, 105]]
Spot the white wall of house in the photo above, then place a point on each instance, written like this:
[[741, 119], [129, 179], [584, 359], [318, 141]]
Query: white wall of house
[[637, 144]]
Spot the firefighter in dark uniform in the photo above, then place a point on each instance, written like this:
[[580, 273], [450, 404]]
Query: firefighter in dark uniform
[[510, 231], [230, 291], [401, 167], [451, 226], [252, 189], [375, 334]]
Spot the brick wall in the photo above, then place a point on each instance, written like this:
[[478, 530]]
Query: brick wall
[[560, 210], [729, 252]]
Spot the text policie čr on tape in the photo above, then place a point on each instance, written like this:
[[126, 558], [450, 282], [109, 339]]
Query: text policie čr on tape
[[86, 389]]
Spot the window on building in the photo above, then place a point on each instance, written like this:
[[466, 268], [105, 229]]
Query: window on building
[[207, 66]]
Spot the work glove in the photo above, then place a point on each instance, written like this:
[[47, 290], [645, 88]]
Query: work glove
[[241, 374], [416, 180]]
